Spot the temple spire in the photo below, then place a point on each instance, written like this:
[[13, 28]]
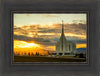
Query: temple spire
[[62, 34], [62, 27]]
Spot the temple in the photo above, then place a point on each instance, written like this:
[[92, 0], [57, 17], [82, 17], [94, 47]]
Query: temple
[[64, 47]]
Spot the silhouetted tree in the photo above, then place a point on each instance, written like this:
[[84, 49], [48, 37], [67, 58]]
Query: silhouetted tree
[[81, 55], [36, 54], [48, 53], [29, 53], [76, 55], [32, 54], [25, 53]]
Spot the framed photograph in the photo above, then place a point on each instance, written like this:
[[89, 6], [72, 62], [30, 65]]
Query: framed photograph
[[49, 38]]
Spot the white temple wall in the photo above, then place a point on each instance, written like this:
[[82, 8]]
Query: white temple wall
[[66, 47]]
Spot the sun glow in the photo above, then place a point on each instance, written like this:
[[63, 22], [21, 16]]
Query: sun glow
[[23, 44], [25, 48]]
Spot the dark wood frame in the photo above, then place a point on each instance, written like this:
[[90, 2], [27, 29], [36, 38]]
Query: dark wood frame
[[6, 69]]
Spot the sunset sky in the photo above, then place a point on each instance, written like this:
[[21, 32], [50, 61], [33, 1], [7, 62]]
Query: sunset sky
[[35, 32]]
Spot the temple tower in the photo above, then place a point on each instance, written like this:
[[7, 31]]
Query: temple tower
[[63, 46]]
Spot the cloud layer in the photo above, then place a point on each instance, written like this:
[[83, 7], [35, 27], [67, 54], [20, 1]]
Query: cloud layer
[[50, 34]]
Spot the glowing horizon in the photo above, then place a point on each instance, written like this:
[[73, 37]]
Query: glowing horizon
[[25, 47]]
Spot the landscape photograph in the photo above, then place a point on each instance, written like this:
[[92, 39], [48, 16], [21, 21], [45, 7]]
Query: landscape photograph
[[50, 37]]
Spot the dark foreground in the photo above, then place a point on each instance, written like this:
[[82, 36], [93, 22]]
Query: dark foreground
[[47, 59]]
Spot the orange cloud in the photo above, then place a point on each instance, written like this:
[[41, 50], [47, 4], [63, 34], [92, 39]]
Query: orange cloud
[[76, 35], [66, 34], [27, 15], [48, 15], [81, 45]]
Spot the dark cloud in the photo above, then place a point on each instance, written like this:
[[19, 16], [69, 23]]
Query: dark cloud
[[75, 28], [81, 41], [36, 40], [22, 37], [49, 30], [76, 39], [56, 39]]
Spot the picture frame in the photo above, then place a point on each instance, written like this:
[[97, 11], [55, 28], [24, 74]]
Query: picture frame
[[6, 67]]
